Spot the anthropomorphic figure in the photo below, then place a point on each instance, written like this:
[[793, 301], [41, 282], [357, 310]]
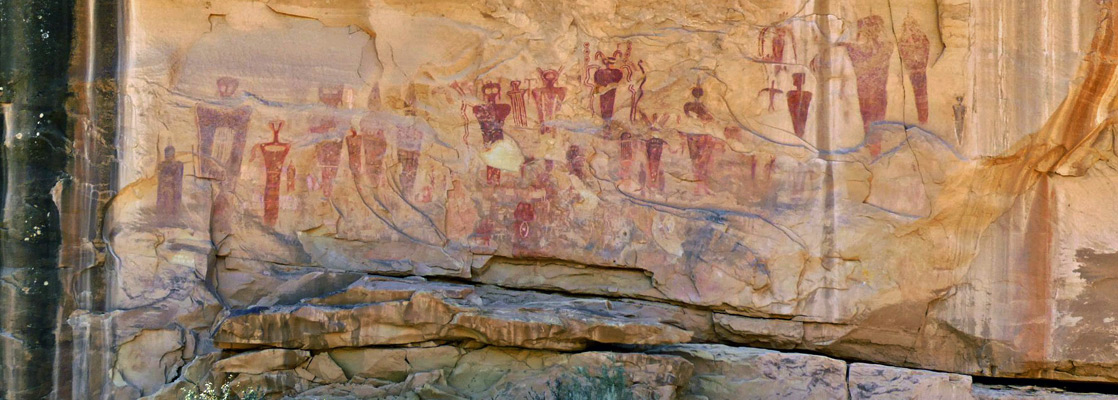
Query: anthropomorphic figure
[[169, 194], [780, 36], [654, 151], [548, 98], [523, 233], [628, 155], [409, 147], [491, 116], [274, 153], [327, 124], [222, 131], [518, 101], [701, 148], [604, 79], [576, 161], [960, 119], [914, 48], [799, 103], [695, 108], [367, 144], [870, 54]]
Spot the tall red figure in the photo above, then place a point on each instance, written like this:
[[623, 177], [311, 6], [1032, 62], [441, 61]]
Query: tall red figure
[[517, 98], [914, 48], [274, 153], [654, 150], [870, 54], [548, 98], [799, 103]]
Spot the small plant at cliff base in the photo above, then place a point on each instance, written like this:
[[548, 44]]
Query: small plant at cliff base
[[226, 393], [608, 384]]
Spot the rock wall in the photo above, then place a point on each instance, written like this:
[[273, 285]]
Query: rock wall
[[451, 188]]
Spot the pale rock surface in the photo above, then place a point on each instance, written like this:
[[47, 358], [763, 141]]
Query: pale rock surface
[[150, 359], [868, 381], [262, 361], [324, 370], [759, 332], [723, 372]]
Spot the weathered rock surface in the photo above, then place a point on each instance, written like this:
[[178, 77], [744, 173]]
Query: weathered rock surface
[[723, 372], [445, 187], [259, 362], [984, 392], [381, 311], [868, 381]]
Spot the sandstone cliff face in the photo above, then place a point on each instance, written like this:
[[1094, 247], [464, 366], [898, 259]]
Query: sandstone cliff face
[[376, 198]]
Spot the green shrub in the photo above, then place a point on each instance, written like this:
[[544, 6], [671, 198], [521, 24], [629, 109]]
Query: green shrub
[[225, 393], [608, 384]]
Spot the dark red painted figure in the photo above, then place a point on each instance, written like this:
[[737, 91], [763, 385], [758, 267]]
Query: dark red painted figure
[[870, 54], [274, 153], [628, 154], [914, 48], [799, 103], [606, 78], [773, 92], [654, 150], [701, 149], [522, 227], [695, 108], [222, 131], [548, 98], [328, 152], [169, 194], [781, 35], [491, 116], [518, 100], [576, 161]]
